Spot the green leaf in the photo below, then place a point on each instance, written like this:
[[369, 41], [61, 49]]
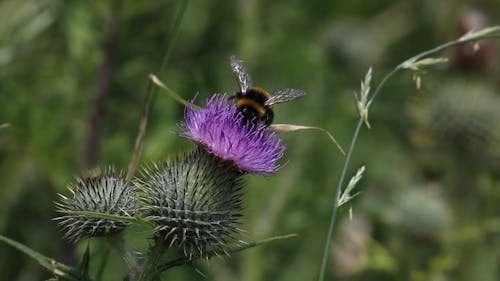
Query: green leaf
[[260, 242], [134, 219], [57, 268]]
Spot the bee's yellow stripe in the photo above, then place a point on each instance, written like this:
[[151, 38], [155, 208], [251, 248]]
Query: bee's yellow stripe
[[251, 103]]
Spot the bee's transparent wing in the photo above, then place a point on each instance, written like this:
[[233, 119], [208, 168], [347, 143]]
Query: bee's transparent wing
[[284, 95], [240, 72]]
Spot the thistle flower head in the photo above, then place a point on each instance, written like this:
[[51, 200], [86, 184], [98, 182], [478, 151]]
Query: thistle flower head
[[100, 191], [194, 203], [431, 221], [221, 130], [462, 113]]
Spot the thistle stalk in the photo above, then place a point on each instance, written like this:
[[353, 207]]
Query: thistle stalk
[[118, 242]]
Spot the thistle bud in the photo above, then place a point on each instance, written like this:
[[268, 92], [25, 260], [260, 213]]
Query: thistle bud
[[99, 191], [194, 203]]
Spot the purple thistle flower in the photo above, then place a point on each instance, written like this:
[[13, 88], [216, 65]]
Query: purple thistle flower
[[221, 130]]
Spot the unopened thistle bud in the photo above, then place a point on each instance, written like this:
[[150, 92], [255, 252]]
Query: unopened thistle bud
[[98, 191], [194, 203]]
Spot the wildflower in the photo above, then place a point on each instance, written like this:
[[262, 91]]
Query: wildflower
[[194, 201], [99, 191], [221, 130]]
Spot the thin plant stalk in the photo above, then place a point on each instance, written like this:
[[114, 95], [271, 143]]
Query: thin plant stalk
[[151, 270], [103, 264], [409, 64], [118, 242], [174, 33], [150, 97], [337, 196], [132, 166], [428, 53]]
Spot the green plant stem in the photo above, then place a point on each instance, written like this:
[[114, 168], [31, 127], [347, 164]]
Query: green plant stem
[[337, 196], [118, 242], [150, 270], [103, 264], [135, 219], [148, 103], [493, 34], [174, 33]]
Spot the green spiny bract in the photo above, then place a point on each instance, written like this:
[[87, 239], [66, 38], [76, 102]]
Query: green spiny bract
[[194, 203], [100, 191]]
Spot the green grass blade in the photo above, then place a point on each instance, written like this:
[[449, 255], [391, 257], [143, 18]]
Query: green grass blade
[[135, 219], [50, 264]]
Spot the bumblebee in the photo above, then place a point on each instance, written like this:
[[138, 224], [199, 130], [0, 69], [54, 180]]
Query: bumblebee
[[254, 103]]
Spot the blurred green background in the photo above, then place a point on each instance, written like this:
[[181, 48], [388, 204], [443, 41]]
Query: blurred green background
[[73, 76]]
